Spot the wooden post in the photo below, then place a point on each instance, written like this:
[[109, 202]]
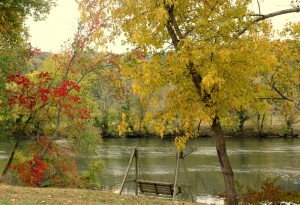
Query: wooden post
[[136, 171], [128, 168], [176, 175]]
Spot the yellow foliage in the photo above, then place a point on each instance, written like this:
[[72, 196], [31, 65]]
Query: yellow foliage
[[123, 126], [212, 81], [198, 66], [180, 142], [160, 128]]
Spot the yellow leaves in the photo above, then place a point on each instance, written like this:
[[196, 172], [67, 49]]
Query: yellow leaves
[[229, 66], [142, 21], [180, 143], [288, 109], [135, 88], [123, 126], [169, 2], [228, 121], [225, 55], [211, 81], [161, 14], [160, 129]]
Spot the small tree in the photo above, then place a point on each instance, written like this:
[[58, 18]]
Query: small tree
[[51, 103]]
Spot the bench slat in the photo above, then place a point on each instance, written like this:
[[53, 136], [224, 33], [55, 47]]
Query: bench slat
[[154, 182], [159, 188]]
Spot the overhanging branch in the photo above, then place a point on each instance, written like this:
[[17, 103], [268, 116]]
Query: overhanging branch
[[267, 16]]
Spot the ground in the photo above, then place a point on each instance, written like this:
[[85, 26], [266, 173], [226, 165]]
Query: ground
[[15, 195]]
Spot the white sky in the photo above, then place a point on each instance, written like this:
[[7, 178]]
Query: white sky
[[61, 24]]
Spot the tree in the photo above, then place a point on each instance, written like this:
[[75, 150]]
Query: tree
[[14, 47], [284, 78], [108, 92], [33, 104], [56, 103], [14, 13], [208, 53]]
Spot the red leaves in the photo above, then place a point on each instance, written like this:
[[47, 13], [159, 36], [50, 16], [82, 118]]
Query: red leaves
[[19, 80], [44, 76], [43, 94], [84, 113], [33, 95], [38, 170], [25, 95], [35, 51], [57, 167], [64, 89], [21, 98], [31, 172]]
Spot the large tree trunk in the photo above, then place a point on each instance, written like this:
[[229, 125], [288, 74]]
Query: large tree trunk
[[231, 196]]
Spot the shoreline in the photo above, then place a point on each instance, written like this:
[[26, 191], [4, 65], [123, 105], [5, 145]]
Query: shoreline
[[245, 134]]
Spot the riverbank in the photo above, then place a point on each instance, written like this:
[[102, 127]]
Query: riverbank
[[206, 131], [274, 128], [16, 195]]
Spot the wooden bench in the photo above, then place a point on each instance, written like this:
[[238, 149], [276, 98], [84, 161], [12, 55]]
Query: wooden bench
[[158, 188]]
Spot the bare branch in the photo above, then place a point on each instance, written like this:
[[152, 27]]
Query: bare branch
[[282, 96], [267, 16], [258, 4]]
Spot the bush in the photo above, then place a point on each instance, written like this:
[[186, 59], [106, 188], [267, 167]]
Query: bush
[[91, 176], [269, 193]]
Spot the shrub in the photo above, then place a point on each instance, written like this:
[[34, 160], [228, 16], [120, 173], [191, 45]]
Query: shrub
[[269, 193]]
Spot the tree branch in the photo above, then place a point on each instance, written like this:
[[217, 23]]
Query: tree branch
[[258, 4], [267, 16], [173, 21], [282, 96]]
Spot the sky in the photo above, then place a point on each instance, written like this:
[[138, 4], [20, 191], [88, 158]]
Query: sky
[[61, 24]]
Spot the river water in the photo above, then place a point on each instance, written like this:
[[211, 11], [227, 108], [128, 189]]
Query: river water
[[253, 160]]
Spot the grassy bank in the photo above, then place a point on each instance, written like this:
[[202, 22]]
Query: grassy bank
[[15, 195]]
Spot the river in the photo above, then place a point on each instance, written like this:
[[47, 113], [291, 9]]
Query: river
[[253, 160]]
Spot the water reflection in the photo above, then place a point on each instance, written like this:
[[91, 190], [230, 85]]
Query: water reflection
[[253, 160]]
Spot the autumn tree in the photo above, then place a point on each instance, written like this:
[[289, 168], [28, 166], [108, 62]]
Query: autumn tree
[[15, 49], [108, 92], [55, 101], [208, 54], [283, 80]]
